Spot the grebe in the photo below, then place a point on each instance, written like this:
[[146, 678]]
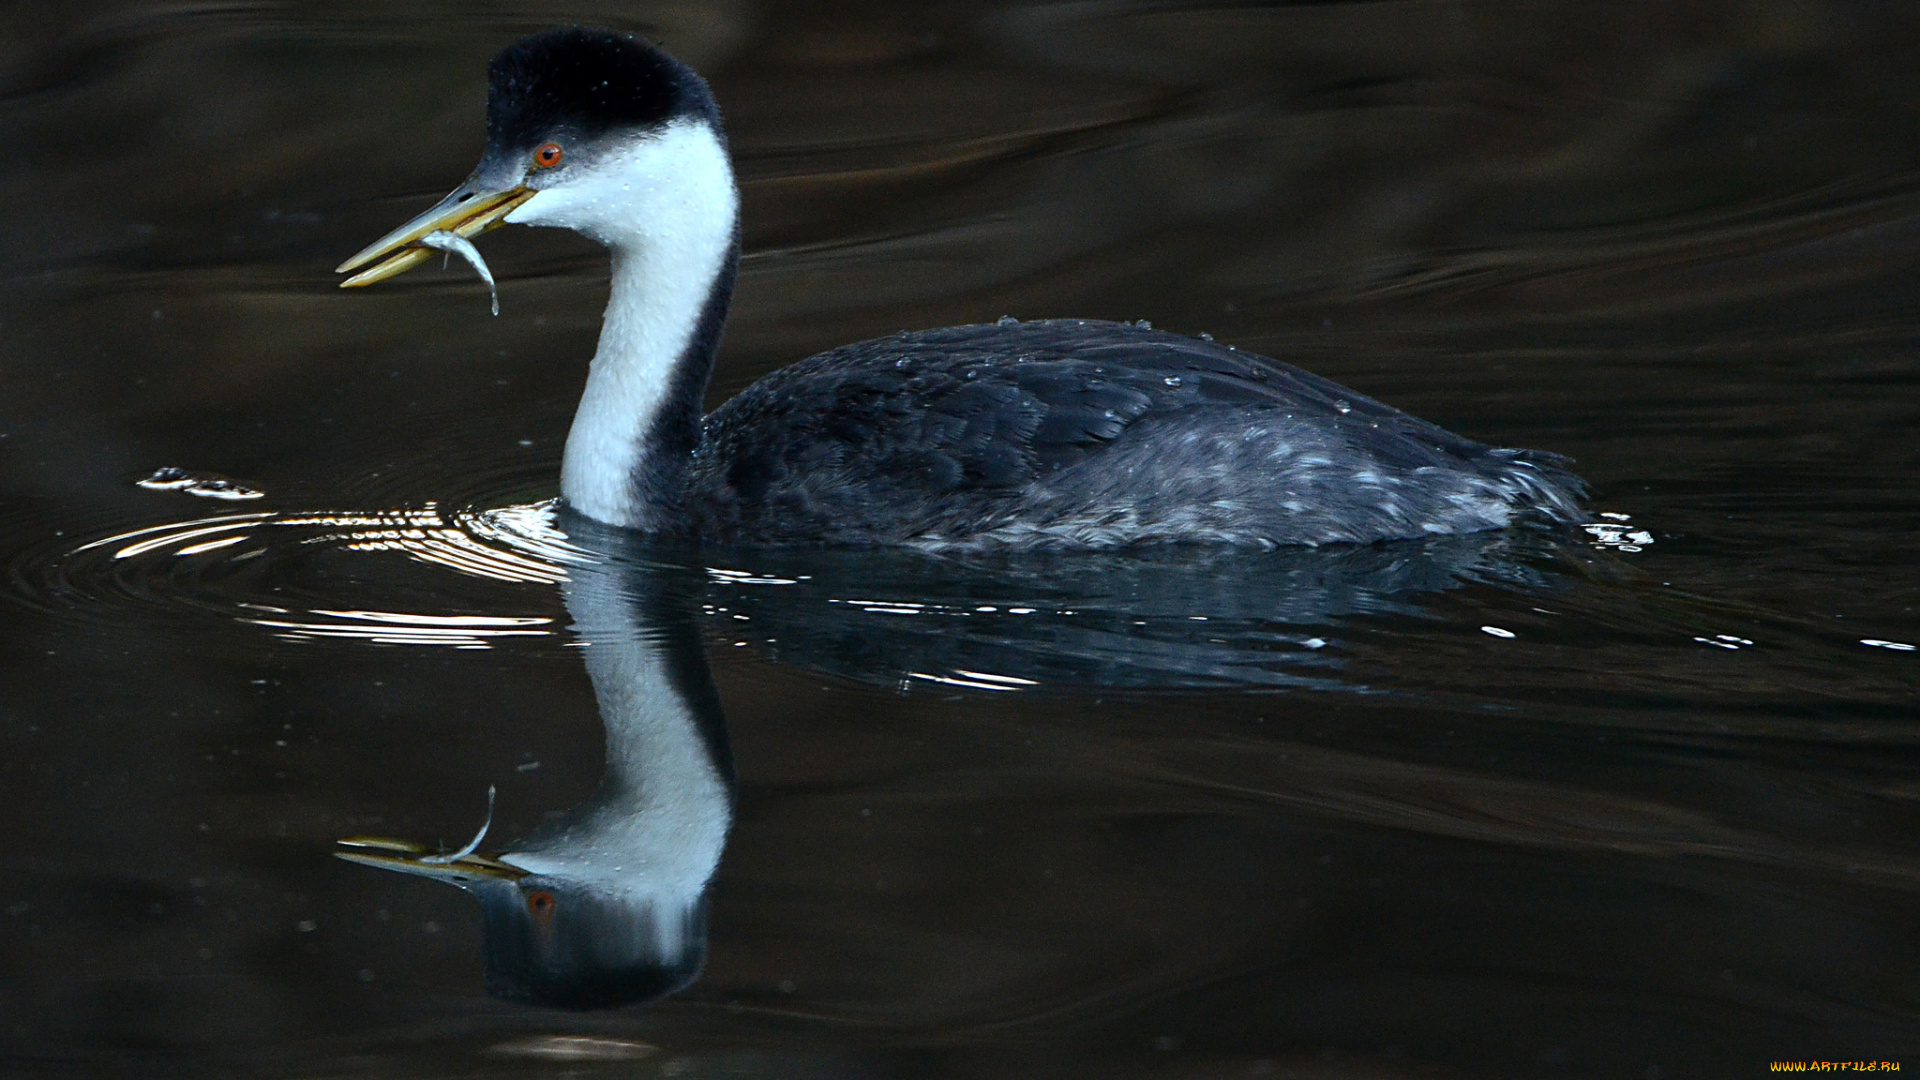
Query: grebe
[[606, 904], [1058, 433]]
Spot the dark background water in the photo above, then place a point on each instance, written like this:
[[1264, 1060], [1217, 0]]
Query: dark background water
[[1667, 828]]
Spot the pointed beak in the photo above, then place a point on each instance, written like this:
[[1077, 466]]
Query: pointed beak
[[407, 857], [471, 209]]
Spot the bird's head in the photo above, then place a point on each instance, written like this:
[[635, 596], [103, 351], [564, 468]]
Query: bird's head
[[591, 130], [566, 936]]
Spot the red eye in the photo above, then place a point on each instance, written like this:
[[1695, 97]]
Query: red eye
[[540, 904], [548, 156]]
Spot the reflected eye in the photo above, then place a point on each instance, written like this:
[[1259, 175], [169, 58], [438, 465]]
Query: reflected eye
[[548, 156], [540, 904]]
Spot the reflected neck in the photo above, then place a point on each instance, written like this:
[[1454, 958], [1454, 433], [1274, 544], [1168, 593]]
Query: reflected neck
[[676, 253], [656, 826]]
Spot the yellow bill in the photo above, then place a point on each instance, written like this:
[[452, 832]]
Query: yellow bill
[[407, 857], [466, 213]]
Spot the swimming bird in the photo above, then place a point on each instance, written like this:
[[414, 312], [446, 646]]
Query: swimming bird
[[1060, 433]]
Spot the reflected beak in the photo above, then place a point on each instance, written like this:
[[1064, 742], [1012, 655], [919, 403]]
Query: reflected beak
[[407, 857], [468, 212]]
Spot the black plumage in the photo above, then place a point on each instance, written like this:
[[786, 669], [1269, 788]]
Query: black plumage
[[584, 82], [1078, 433]]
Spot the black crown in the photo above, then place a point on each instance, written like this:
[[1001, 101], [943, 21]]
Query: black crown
[[587, 82]]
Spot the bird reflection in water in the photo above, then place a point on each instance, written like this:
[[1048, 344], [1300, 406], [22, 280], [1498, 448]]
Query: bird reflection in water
[[1176, 617], [606, 905]]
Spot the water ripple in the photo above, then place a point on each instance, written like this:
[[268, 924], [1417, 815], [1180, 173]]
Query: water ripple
[[280, 570], [1392, 618], [896, 619]]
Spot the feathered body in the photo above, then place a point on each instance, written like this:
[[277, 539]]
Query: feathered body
[[1077, 433], [1058, 434]]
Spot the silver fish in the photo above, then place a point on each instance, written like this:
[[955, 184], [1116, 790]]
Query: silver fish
[[443, 240]]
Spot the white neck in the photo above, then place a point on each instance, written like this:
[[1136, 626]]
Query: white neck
[[667, 207], [652, 835]]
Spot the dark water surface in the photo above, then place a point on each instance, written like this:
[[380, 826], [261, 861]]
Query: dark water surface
[[1640, 801]]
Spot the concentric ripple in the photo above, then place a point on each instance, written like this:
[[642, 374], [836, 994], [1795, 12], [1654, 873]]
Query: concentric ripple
[[897, 619], [514, 543], [474, 577], [336, 574]]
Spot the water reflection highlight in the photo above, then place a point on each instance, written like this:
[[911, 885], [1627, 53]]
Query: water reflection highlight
[[606, 904]]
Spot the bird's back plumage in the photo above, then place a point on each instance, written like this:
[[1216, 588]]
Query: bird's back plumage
[[1080, 433]]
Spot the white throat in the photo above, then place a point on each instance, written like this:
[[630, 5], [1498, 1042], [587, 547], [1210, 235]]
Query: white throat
[[666, 207], [653, 834]]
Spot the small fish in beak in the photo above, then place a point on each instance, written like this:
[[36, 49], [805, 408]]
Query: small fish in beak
[[443, 240]]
